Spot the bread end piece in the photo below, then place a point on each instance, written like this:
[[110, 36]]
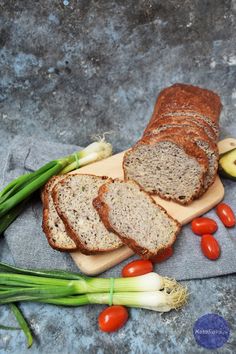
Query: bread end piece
[[50, 219]]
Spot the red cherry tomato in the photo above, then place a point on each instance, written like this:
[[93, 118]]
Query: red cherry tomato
[[201, 226], [210, 247], [226, 214], [163, 255], [112, 318], [138, 267]]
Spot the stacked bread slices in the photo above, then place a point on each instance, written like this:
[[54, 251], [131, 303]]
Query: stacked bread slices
[[177, 157], [97, 214]]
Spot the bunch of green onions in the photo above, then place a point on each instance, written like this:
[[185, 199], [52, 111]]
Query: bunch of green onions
[[150, 291], [14, 196]]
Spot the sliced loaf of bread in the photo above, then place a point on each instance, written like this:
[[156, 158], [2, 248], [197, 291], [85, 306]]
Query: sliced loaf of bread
[[52, 224], [134, 216], [178, 145], [172, 167], [73, 197]]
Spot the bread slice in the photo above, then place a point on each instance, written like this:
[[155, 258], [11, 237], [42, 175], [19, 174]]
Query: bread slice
[[73, 198], [52, 224], [134, 216], [171, 167], [202, 140], [195, 115]]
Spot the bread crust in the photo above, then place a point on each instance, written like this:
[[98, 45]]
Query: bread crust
[[46, 229], [103, 211], [75, 237], [190, 149], [182, 120], [189, 98]]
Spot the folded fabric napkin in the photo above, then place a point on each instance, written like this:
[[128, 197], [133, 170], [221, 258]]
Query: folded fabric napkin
[[29, 247]]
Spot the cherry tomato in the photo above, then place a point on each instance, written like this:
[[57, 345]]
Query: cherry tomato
[[138, 267], [226, 214], [112, 318], [163, 255], [210, 247], [201, 226]]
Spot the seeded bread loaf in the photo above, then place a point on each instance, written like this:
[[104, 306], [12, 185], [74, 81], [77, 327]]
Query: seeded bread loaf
[[73, 197], [52, 224], [181, 111], [134, 216], [172, 167]]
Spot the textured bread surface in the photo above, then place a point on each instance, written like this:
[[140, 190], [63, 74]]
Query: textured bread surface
[[191, 98], [171, 167], [52, 224], [197, 135], [135, 217], [73, 197]]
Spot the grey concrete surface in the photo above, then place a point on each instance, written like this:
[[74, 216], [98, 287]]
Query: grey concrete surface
[[73, 69]]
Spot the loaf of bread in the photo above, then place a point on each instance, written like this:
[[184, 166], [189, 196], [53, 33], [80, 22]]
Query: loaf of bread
[[177, 157], [73, 197], [133, 215]]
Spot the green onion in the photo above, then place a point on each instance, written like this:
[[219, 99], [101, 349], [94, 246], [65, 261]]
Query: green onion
[[96, 151], [59, 274], [160, 301], [23, 324], [7, 328], [147, 282], [24, 186], [10, 216]]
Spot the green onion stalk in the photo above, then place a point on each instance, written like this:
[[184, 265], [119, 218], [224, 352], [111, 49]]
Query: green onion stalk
[[13, 197], [22, 323]]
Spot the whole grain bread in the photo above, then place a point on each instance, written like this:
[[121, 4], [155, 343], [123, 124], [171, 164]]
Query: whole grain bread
[[172, 167], [73, 197], [134, 216], [197, 135], [52, 224], [185, 121]]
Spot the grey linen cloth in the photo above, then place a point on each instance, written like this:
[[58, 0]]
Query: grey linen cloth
[[29, 247]]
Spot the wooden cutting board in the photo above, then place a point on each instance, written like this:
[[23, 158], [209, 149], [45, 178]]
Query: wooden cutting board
[[112, 167]]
